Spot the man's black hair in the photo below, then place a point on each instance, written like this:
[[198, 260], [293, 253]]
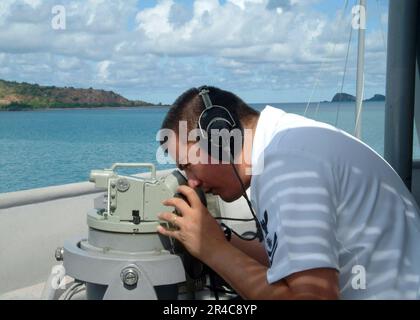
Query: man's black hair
[[189, 105]]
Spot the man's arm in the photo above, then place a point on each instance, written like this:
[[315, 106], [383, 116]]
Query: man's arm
[[202, 236], [254, 248], [249, 277]]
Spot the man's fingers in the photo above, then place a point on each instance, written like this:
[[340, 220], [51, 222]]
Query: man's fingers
[[171, 217], [165, 232], [178, 203], [191, 196]]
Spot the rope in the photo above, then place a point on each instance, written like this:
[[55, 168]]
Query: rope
[[382, 26], [316, 110], [323, 61], [344, 75]]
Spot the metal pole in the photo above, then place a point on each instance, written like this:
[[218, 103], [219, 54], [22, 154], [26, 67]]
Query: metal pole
[[400, 80], [360, 69]]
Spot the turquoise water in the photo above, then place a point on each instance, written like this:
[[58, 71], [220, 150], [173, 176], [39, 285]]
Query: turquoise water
[[45, 148]]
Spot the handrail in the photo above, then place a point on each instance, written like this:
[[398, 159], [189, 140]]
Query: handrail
[[33, 196]]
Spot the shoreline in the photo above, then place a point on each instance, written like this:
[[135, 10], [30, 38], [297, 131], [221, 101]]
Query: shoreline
[[86, 108], [165, 106]]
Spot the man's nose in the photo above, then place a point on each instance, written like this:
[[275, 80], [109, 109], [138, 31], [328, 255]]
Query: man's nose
[[194, 183]]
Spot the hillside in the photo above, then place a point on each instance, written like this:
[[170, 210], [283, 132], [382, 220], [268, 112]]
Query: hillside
[[345, 97], [377, 97], [25, 96]]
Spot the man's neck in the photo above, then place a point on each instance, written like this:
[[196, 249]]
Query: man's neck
[[245, 164]]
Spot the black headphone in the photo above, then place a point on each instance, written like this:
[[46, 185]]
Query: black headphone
[[213, 120], [219, 118]]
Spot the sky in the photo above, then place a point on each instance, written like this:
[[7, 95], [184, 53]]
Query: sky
[[262, 50]]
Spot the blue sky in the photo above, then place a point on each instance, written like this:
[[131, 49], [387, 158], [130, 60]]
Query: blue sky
[[263, 50]]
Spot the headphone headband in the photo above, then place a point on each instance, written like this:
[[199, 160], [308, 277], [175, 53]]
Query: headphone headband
[[215, 117], [204, 93]]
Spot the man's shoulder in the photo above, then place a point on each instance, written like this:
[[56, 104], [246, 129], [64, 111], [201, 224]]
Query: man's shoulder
[[308, 140], [274, 122]]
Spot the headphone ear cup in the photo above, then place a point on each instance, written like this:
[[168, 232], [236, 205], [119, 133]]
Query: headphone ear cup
[[218, 134], [224, 143], [216, 125]]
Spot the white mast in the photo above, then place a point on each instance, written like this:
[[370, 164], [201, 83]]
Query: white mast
[[360, 67]]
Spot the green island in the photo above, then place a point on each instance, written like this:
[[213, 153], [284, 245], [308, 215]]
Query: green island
[[15, 96], [345, 97]]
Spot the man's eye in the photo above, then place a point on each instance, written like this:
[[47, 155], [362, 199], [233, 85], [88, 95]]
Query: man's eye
[[182, 167]]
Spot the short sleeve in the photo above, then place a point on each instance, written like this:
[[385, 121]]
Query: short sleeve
[[297, 211]]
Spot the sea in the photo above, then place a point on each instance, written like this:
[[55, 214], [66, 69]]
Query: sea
[[55, 147]]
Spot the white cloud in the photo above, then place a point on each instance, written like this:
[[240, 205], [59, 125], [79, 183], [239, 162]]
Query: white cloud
[[103, 69], [33, 3], [155, 21], [240, 43], [179, 14], [243, 3]]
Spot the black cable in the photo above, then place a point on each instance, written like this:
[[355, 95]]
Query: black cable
[[245, 238], [233, 219], [258, 234], [216, 218], [221, 290], [212, 276]]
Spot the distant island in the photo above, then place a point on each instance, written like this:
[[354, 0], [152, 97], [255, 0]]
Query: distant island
[[345, 97], [16, 96], [377, 97]]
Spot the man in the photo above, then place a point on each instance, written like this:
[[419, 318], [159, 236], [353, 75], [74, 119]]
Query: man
[[337, 220]]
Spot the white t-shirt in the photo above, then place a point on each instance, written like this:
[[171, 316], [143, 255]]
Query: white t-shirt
[[327, 200]]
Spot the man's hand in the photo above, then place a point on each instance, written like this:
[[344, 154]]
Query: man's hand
[[197, 230]]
